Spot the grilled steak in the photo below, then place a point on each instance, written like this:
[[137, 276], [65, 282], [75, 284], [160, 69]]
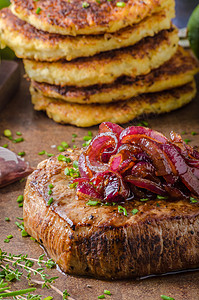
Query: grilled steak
[[99, 241]]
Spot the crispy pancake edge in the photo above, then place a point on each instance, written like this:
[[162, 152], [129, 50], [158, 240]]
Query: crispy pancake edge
[[85, 115], [70, 18], [148, 54], [28, 42], [179, 70]]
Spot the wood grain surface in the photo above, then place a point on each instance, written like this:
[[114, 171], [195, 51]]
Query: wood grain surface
[[41, 133]]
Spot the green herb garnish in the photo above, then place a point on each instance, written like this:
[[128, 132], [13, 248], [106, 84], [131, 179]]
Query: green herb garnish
[[162, 197], [92, 202], [20, 198], [38, 10], [134, 211], [120, 4], [50, 201], [193, 200], [166, 297], [85, 4], [7, 133], [106, 292], [21, 153], [121, 209]]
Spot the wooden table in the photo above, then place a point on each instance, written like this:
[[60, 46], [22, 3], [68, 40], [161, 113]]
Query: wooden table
[[41, 133]]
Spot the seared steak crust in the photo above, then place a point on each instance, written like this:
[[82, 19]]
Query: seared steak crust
[[101, 242]]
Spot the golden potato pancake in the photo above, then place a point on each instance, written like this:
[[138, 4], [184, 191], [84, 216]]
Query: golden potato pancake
[[85, 115], [179, 70], [29, 42], [77, 17], [149, 53]]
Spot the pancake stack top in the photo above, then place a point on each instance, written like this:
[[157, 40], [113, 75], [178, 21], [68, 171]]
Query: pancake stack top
[[100, 60]]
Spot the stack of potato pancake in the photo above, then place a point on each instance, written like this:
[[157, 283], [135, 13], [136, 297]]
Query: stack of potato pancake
[[100, 60]]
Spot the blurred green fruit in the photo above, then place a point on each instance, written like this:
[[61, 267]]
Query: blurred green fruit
[[7, 53], [193, 31], [4, 3]]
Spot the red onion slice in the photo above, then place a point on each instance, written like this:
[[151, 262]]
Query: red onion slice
[[110, 127], [129, 133], [146, 184]]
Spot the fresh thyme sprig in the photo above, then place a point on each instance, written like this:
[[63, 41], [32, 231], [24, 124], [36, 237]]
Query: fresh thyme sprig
[[12, 267]]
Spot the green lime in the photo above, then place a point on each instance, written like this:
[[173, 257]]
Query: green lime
[[7, 53], [4, 3], [193, 31]]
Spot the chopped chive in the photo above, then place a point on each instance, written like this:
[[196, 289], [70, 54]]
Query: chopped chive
[[18, 218], [42, 152], [10, 138], [98, 1], [144, 199], [157, 204], [87, 138], [187, 141], [85, 5], [60, 148], [67, 172], [49, 154], [7, 219], [24, 233], [20, 226], [90, 133], [51, 186], [193, 200], [63, 158], [64, 144], [7, 133], [74, 135], [101, 297], [32, 239], [10, 236], [18, 140], [50, 201], [134, 211], [5, 146], [20, 204], [121, 209], [75, 164], [6, 241], [120, 4], [193, 133], [21, 153], [92, 202], [20, 198], [166, 297], [18, 133], [73, 140], [73, 185], [184, 132], [162, 197], [50, 192], [38, 10], [74, 146], [48, 298], [106, 292]]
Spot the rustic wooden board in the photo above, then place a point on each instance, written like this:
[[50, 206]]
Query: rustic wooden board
[[41, 133], [9, 81]]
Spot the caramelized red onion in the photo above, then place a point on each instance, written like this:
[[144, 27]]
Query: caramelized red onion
[[120, 164]]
